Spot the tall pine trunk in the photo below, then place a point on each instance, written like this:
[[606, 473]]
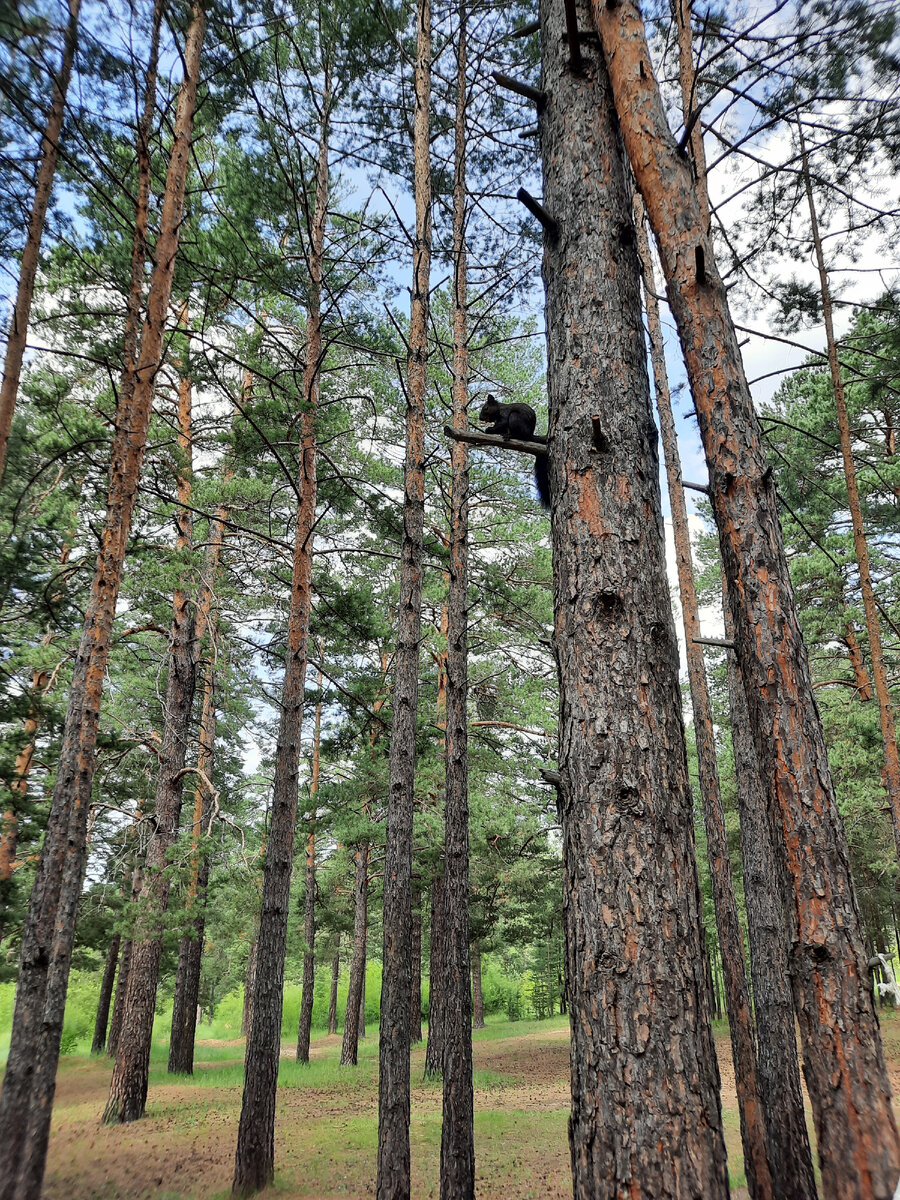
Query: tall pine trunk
[[437, 956], [639, 1004], [393, 1169], [415, 959], [891, 773], [18, 332], [335, 979], [350, 1043], [477, 992], [254, 1164], [118, 1011], [49, 930], [304, 1027], [131, 1074], [190, 951], [858, 1143], [780, 1088], [731, 947], [98, 1045], [457, 1131]]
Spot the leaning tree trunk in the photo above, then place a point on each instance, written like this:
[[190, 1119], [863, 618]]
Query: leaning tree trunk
[[254, 1163], [731, 946], [49, 930], [646, 1119], [780, 1089], [98, 1045], [335, 979], [437, 957], [304, 1027], [457, 1129], [477, 993], [393, 1177], [858, 1142], [131, 1075], [350, 1044], [18, 333]]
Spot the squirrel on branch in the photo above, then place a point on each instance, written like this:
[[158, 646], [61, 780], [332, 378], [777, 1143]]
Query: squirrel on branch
[[518, 421]]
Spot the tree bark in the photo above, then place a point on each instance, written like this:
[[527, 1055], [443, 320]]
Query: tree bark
[[309, 902], [249, 989], [393, 1170], [437, 955], [478, 1021], [106, 994], [646, 1119], [859, 1147], [415, 958], [335, 978], [131, 1074], [18, 332], [48, 933], [737, 996], [779, 1070], [457, 1170], [254, 1163], [350, 1044]]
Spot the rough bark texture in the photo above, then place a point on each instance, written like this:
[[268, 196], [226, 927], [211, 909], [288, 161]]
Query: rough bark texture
[[254, 1163], [98, 1045], [335, 979], [304, 1027], [393, 1179], [415, 998], [49, 929], [18, 333], [457, 1130], [645, 1119], [349, 1045], [477, 994], [779, 1070], [249, 989], [130, 1079], [731, 948], [437, 957], [844, 1064]]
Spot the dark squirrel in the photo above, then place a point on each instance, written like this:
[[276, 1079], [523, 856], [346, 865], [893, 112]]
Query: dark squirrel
[[518, 421]]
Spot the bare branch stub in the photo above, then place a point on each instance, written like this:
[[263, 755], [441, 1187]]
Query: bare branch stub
[[535, 95], [537, 210], [526, 30]]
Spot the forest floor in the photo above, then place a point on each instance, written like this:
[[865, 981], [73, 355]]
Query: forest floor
[[327, 1122]]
